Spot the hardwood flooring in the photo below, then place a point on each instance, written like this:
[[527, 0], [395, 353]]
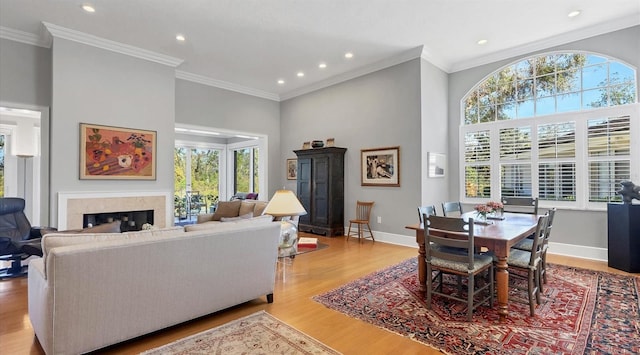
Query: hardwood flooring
[[297, 281]]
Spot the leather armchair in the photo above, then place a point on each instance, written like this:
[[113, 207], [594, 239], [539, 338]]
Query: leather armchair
[[18, 240]]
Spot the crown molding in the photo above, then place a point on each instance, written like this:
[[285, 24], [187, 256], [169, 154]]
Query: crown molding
[[24, 37], [204, 80], [610, 26], [91, 40], [367, 69]]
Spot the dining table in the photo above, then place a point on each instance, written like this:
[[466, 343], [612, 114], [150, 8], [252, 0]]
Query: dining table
[[498, 236]]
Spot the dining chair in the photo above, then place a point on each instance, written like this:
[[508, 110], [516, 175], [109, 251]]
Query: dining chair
[[450, 250], [531, 263], [363, 215], [527, 205], [448, 209], [527, 245], [429, 210]]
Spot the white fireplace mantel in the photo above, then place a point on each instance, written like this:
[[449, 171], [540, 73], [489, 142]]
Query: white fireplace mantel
[[73, 205]]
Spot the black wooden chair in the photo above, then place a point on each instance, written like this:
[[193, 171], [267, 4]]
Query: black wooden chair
[[451, 251]]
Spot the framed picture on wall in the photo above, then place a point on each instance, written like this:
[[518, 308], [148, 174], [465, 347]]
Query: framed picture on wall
[[380, 166], [117, 153], [292, 169], [437, 164]]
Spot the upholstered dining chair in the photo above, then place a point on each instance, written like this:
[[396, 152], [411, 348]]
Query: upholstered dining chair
[[452, 209], [450, 250], [527, 245], [530, 262], [520, 204], [363, 215], [428, 210]]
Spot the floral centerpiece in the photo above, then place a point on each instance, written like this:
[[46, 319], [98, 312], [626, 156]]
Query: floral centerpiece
[[490, 207]]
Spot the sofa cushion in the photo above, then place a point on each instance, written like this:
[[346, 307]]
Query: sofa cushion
[[111, 227], [246, 207], [218, 226], [259, 208], [242, 216], [227, 209]]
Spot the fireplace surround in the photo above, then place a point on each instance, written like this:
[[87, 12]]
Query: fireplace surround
[[72, 206]]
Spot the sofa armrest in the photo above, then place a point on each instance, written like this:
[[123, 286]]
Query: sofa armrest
[[204, 217]]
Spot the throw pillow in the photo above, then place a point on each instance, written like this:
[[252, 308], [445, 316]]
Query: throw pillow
[[231, 219], [246, 207], [227, 209], [259, 208]]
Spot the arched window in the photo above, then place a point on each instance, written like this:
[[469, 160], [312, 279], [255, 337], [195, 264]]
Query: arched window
[[557, 126]]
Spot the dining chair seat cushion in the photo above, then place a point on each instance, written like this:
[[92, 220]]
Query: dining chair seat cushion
[[525, 244], [480, 261], [519, 258]]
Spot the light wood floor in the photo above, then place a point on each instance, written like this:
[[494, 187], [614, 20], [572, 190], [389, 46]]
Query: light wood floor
[[308, 275]]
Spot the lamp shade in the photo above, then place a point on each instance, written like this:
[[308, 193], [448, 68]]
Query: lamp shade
[[24, 139], [284, 203]]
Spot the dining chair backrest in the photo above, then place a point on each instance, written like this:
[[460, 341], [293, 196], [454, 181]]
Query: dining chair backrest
[[450, 209], [520, 204], [363, 210], [428, 210], [458, 236], [551, 214], [538, 241]]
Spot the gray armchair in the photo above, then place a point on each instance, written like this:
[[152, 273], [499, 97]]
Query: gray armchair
[[18, 240]]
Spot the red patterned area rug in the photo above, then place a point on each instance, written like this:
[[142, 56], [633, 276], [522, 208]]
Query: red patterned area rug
[[582, 312], [258, 333]]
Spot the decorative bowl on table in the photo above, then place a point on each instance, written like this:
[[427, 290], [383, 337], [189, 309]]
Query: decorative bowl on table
[[317, 144]]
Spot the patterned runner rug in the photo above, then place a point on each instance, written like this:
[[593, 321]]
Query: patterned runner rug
[[582, 312], [258, 333]]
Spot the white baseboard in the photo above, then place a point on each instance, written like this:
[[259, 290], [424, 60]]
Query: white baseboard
[[577, 251]]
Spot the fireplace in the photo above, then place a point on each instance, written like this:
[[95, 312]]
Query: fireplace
[[129, 220], [73, 206]]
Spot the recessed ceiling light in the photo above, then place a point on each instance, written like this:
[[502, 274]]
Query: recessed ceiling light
[[322, 65], [574, 13], [300, 74], [88, 8], [280, 81], [180, 38], [482, 42], [348, 55]]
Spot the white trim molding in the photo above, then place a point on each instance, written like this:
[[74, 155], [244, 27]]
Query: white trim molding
[[24, 37], [204, 80], [91, 40]]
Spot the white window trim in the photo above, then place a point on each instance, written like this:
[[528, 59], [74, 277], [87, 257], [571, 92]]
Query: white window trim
[[261, 144], [222, 183], [581, 159]]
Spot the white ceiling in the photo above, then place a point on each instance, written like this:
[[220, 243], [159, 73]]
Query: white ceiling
[[250, 44]]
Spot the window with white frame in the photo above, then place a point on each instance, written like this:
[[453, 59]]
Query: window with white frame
[[558, 126]]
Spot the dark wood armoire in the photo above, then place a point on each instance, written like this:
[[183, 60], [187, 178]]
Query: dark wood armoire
[[320, 185]]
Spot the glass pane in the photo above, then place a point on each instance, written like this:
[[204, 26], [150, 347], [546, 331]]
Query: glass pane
[[570, 60], [556, 140], [568, 102], [594, 98], [256, 177], [622, 94], [594, 76], [557, 181], [604, 177], [524, 69], [525, 109], [471, 109], [568, 81], [524, 89], [487, 114], [205, 177], [180, 182], [545, 105], [477, 181], [515, 180], [609, 137], [242, 166], [545, 85], [515, 143], [476, 146], [620, 73], [594, 59], [506, 111], [505, 87]]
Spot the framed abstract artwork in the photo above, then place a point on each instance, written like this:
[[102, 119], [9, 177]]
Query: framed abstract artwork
[[292, 169], [117, 153], [380, 166]]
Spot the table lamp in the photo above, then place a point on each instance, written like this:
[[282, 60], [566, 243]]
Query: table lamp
[[284, 203]]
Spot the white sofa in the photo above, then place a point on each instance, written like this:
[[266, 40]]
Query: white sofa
[[89, 291]]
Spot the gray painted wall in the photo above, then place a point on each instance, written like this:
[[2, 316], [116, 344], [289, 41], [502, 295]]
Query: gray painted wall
[[25, 73], [381, 109], [208, 106], [586, 228], [97, 86]]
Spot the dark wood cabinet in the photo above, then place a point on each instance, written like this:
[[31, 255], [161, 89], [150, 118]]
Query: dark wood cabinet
[[320, 187], [624, 236]]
